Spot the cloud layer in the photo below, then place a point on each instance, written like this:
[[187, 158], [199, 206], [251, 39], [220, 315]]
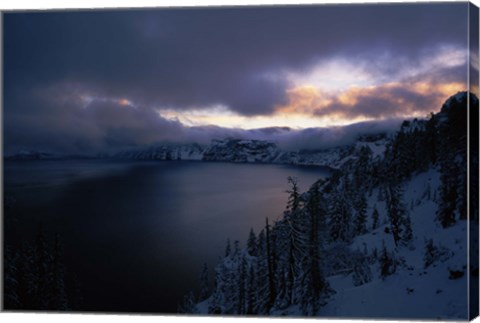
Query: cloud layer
[[94, 80]]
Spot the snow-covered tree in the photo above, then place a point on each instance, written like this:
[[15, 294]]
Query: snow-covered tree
[[252, 243], [387, 263], [228, 249], [375, 219], [204, 284], [188, 304], [400, 223], [362, 273], [251, 286], [360, 222], [340, 218], [434, 253]]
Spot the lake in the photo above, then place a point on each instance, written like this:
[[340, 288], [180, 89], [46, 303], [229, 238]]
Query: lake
[[136, 234]]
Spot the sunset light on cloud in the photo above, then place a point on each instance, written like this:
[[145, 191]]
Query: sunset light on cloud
[[175, 71], [338, 92]]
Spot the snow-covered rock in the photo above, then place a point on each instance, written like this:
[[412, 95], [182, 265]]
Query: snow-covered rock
[[241, 151], [164, 152]]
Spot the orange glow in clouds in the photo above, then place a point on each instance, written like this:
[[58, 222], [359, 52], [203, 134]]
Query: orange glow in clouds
[[309, 106], [345, 106], [124, 102]]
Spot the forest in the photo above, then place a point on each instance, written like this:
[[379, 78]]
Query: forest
[[285, 268]]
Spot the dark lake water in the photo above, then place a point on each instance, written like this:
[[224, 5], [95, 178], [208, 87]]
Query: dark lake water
[[137, 234]]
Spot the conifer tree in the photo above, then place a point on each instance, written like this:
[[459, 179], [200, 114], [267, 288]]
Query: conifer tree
[[262, 278], [236, 248], [252, 243], [58, 291], [387, 263], [40, 272], [10, 279], [339, 218], [250, 292], [228, 249], [399, 218], [204, 284], [242, 279], [452, 158], [361, 215], [271, 268], [375, 219], [430, 253], [188, 304], [362, 273], [294, 195]]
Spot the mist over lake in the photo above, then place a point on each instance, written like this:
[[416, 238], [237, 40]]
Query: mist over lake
[[137, 233]]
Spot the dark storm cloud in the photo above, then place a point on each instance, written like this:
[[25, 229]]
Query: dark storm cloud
[[181, 58], [73, 126], [201, 57]]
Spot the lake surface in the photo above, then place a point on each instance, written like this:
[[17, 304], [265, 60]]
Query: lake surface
[[137, 233]]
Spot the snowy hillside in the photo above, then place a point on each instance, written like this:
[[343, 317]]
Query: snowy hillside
[[231, 150], [164, 152], [241, 151], [255, 151], [385, 236], [413, 291]]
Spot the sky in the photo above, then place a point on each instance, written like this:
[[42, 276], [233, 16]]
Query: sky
[[311, 76]]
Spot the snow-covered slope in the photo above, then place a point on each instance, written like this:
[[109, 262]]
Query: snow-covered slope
[[255, 151], [413, 291], [164, 152], [241, 151]]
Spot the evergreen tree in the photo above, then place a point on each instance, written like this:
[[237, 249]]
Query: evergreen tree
[[400, 224], [448, 195], [434, 253], [35, 276], [375, 219], [251, 294], [242, 279], [188, 304], [58, 291], [39, 274], [252, 244], [236, 248], [407, 235], [294, 195], [10, 278], [339, 218], [228, 249], [204, 284], [430, 149], [430, 253], [452, 158], [387, 263], [362, 273], [76, 294], [262, 278], [361, 215], [312, 286], [271, 268]]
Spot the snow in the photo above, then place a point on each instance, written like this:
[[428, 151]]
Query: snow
[[377, 148], [413, 291], [402, 295]]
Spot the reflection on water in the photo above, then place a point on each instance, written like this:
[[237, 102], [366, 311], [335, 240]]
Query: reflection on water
[[137, 234]]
